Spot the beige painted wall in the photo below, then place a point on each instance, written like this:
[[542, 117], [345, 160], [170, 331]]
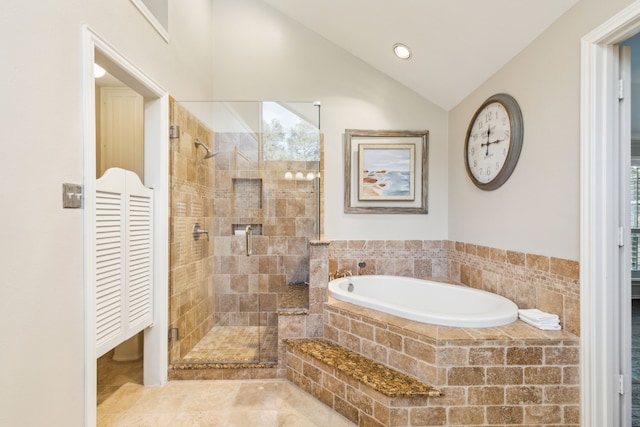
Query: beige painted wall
[[262, 55], [41, 279], [537, 210]]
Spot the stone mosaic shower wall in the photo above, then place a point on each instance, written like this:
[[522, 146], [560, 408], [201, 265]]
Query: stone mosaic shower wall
[[191, 297], [282, 213]]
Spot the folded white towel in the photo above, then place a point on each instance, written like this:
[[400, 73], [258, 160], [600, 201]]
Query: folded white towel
[[545, 323], [545, 326], [536, 315]]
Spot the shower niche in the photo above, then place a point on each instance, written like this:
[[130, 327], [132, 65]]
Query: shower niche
[[247, 193], [264, 184]]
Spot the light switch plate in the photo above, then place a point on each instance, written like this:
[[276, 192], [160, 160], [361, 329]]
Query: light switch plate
[[72, 196]]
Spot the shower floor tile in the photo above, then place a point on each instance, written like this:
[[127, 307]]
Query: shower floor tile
[[236, 344]]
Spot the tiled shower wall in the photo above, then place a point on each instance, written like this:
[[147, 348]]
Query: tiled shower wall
[[283, 214], [191, 297], [530, 280]]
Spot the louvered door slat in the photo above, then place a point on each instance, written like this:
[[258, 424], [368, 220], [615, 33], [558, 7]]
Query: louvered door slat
[[109, 268], [139, 255], [124, 265]]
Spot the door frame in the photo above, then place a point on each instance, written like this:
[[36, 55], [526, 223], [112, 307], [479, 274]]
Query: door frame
[[156, 176], [602, 333]]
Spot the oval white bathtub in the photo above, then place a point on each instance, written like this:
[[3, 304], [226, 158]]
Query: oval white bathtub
[[426, 301]]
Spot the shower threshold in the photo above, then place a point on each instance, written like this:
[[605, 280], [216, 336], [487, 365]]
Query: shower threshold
[[231, 352]]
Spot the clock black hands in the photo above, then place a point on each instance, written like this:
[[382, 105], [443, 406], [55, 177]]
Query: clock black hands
[[489, 142]]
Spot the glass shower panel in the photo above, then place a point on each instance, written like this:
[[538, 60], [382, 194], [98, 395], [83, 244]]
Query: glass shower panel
[[266, 208]]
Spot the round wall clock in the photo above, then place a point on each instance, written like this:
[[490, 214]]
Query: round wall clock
[[494, 140]]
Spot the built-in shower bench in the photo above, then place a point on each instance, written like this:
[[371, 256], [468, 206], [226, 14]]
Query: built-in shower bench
[[294, 300], [364, 391]]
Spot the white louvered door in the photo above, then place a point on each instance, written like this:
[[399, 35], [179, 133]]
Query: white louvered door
[[124, 247]]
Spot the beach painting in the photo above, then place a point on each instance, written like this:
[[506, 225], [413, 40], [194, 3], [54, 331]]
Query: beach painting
[[386, 172]]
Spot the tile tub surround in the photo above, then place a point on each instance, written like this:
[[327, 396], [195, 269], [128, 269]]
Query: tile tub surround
[[510, 375], [191, 298], [364, 391], [378, 377], [530, 280]]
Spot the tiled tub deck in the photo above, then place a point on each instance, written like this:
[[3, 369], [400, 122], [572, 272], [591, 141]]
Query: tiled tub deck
[[510, 375]]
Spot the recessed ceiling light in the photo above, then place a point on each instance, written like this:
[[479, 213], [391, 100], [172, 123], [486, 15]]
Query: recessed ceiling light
[[401, 51]]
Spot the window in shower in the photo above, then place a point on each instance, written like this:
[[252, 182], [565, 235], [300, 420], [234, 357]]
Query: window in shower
[[288, 134]]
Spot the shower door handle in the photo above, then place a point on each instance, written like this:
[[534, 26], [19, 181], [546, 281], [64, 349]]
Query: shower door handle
[[249, 239]]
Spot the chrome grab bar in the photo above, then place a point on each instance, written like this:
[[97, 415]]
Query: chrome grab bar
[[249, 239]]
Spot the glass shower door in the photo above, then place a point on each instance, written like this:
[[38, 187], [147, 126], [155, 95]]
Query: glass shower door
[[266, 207], [267, 185]]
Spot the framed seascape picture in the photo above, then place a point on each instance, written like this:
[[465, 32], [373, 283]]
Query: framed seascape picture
[[386, 171]]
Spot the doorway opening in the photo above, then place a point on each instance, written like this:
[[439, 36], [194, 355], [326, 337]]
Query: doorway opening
[[605, 245], [155, 170], [119, 143], [631, 144]]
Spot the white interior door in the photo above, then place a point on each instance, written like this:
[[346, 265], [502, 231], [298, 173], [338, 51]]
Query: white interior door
[[121, 141], [124, 258]]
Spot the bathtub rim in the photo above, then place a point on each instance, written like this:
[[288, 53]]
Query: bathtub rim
[[435, 319]]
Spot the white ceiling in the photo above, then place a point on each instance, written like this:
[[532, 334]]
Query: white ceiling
[[456, 44]]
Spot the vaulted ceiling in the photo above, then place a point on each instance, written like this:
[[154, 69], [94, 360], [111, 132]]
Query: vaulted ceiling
[[456, 44]]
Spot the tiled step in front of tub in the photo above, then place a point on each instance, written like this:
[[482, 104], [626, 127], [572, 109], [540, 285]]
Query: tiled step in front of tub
[[364, 391]]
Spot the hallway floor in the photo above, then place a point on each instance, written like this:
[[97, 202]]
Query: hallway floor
[[123, 402], [635, 363]]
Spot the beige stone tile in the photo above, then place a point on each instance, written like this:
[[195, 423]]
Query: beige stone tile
[[132, 419], [109, 420], [537, 262], [516, 258], [550, 302], [205, 396], [123, 399], [158, 400]]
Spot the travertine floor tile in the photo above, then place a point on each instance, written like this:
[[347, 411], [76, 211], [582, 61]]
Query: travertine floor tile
[[123, 401]]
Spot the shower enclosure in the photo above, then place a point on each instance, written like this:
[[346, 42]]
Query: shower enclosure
[[256, 192]]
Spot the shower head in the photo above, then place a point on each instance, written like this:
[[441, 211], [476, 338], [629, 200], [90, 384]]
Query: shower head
[[209, 152]]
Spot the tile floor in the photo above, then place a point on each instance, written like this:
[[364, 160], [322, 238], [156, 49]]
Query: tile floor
[[236, 344], [123, 401]]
